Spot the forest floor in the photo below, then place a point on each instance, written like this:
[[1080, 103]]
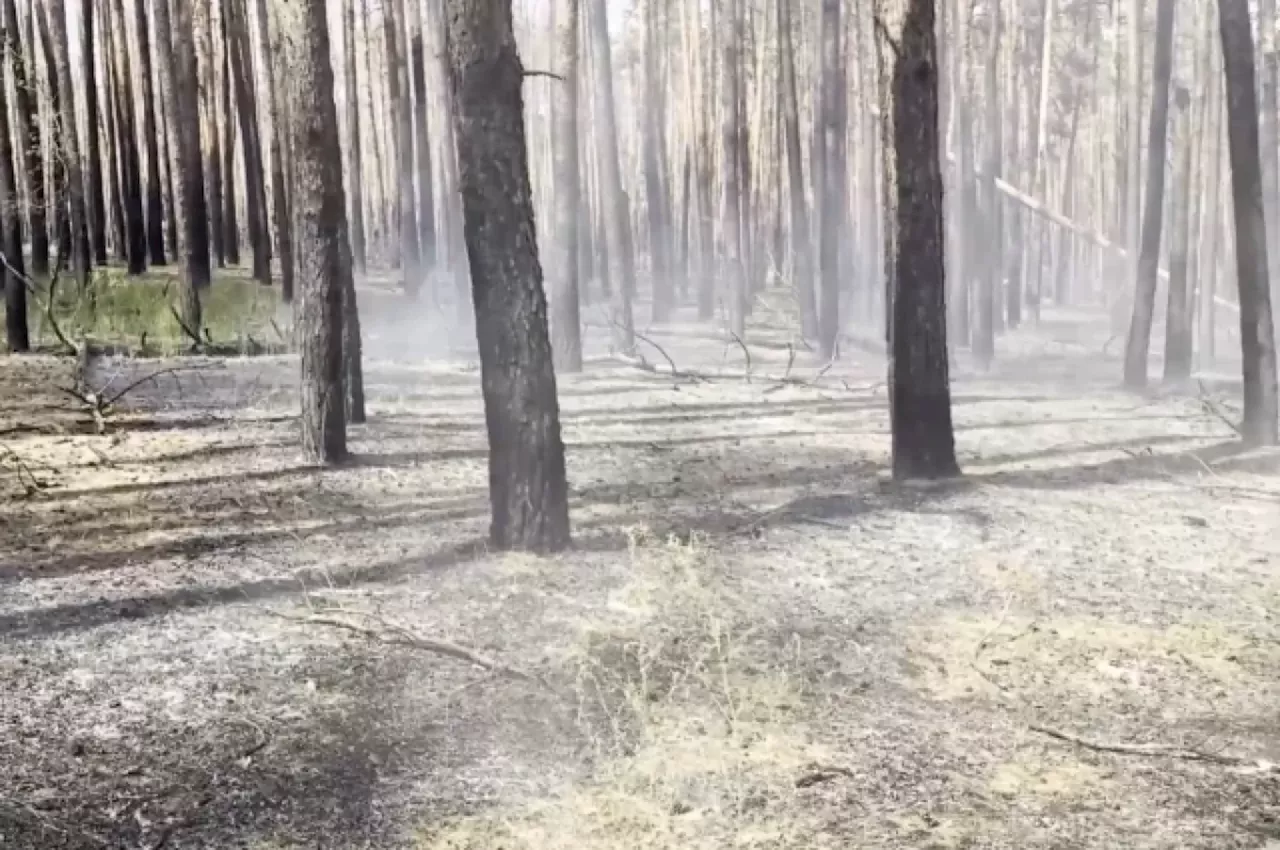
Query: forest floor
[[759, 641]]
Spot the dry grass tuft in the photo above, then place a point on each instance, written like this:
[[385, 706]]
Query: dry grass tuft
[[693, 745]]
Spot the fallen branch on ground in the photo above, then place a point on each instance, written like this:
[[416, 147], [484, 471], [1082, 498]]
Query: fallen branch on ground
[[196, 342], [1212, 409], [820, 773], [385, 631], [1149, 750], [99, 403]]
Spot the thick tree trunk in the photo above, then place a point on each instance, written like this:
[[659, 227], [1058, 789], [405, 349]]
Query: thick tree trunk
[[97, 206], [69, 148], [355, 158], [177, 51], [319, 202], [1144, 298], [15, 288], [920, 394], [566, 323], [1257, 332], [150, 137], [527, 486]]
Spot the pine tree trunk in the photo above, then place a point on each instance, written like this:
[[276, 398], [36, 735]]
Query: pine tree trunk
[[831, 140], [230, 216], [1178, 337], [613, 201], [279, 182], [69, 148], [242, 73], [920, 395], [150, 138], [115, 164], [527, 486], [320, 205], [402, 119], [131, 161], [97, 206], [30, 140], [177, 52], [422, 148], [15, 288], [991, 271], [210, 135], [355, 158], [653, 143], [1257, 331], [1139, 342], [566, 323], [801, 239]]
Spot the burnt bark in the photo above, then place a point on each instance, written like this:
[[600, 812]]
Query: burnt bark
[[355, 159], [279, 182], [130, 159], [1144, 299], [422, 136], [178, 53], [69, 146], [801, 238], [320, 205], [402, 119], [15, 288], [527, 486], [29, 138], [919, 384], [242, 74], [1257, 331], [96, 200], [566, 323], [150, 138], [230, 216]]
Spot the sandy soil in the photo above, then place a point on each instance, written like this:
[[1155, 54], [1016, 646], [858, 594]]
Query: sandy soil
[[758, 641]]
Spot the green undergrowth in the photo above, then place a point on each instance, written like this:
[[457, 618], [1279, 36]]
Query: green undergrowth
[[136, 314]]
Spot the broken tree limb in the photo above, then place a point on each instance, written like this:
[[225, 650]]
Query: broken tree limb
[[1148, 750]]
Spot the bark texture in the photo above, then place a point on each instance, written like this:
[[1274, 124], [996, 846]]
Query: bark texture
[[566, 323], [320, 207], [527, 486]]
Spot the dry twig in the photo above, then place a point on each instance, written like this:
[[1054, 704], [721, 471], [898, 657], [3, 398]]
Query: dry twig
[[745, 353], [1149, 750]]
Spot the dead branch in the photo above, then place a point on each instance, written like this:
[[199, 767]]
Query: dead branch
[[191, 333], [1148, 750], [820, 773], [552, 74], [791, 361], [745, 353], [1214, 410], [45, 304], [385, 631]]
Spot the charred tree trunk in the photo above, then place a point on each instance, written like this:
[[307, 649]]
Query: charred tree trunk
[[613, 200], [97, 206], [322, 219], [279, 182], [211, 137], [1257, 332], [422, 148], [402, 119], [69, 148], [654, 143], [131, 161], [177, 51], [115, 139], [920, 394], [801, 239], [1144, 297], [30, 140], [255, 190], [1178, 345], [150, 138], [15, 288], [355, 159], [830, 153], [732, 263], [230, 216], [566, 323], [527, 486]]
